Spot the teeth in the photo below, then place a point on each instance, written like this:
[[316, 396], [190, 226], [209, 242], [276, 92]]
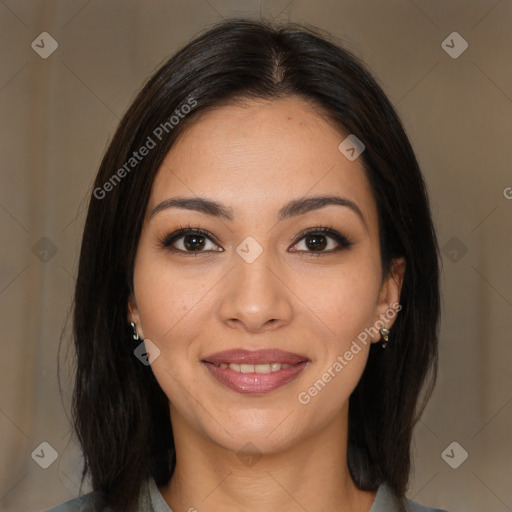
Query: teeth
[[255, 368]]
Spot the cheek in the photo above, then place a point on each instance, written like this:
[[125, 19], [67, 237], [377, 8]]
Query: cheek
[[168, 301], [346, 306], [169, 306], [343, 302]]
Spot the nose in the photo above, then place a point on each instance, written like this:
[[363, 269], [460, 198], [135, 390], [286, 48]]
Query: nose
[[255, 296]]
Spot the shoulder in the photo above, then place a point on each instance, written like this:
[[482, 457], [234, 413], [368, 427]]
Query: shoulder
[[95, 502], [83, 504], [412, 506], [387, 501]]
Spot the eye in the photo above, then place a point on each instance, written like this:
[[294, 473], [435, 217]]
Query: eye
[[313, 241], [321, 240], [190, 240]]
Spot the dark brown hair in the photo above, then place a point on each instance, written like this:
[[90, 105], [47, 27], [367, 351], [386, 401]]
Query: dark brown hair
[[121, 414]]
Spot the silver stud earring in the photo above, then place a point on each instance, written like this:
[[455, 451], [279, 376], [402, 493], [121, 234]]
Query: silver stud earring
[[385, 335], [135, 333]]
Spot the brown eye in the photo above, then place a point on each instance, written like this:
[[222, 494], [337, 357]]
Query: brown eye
[[317, 240], [194, 242], [190, 241]]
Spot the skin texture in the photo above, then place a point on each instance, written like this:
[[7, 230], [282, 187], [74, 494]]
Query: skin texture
[[254, 158]]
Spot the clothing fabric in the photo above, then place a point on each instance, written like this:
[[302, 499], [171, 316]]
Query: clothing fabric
[[151, 500]]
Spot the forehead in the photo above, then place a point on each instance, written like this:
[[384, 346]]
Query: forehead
[[261, 154]]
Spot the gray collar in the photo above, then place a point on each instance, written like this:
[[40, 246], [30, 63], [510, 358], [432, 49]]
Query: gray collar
[[152, 501]]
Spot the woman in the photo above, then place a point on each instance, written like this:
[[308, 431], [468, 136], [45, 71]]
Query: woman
[[257, 301]]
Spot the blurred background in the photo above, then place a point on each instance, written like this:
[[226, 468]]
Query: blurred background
[[69, 69]]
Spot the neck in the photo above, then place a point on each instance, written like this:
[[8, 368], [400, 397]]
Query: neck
[[311, 475]]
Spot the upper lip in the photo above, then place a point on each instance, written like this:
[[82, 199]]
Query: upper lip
[[242, 356]]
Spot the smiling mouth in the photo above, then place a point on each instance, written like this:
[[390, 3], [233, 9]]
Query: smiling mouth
[[255, 372]]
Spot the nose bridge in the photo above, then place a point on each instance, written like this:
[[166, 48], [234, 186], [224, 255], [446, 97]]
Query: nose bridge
[[254, 275], [255, 296]]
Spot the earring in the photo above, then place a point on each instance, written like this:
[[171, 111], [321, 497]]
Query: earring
[[135, 333], [385, 335]]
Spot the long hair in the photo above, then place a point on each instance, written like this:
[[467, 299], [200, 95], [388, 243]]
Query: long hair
[[120, 413]]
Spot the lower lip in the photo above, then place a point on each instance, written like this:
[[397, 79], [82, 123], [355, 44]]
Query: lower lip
[[255, 383]]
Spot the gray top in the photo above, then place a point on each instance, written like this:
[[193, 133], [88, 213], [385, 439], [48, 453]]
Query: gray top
[[151, 500]]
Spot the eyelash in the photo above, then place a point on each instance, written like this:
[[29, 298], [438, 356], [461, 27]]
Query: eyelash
[[328, 231]]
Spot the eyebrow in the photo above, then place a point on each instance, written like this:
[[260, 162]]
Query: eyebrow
[[291, 209]]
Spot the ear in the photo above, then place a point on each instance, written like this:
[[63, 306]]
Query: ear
[[389, 297], [134, 316]]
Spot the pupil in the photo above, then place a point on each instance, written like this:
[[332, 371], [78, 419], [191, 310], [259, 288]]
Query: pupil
[[194, 242], [315, 242]]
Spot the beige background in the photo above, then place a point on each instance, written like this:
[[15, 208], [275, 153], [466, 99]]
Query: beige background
[[57, 115]]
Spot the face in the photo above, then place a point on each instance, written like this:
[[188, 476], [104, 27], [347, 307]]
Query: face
[[248, 262]]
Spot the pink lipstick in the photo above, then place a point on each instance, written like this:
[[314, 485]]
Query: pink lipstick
[[256, 371]]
